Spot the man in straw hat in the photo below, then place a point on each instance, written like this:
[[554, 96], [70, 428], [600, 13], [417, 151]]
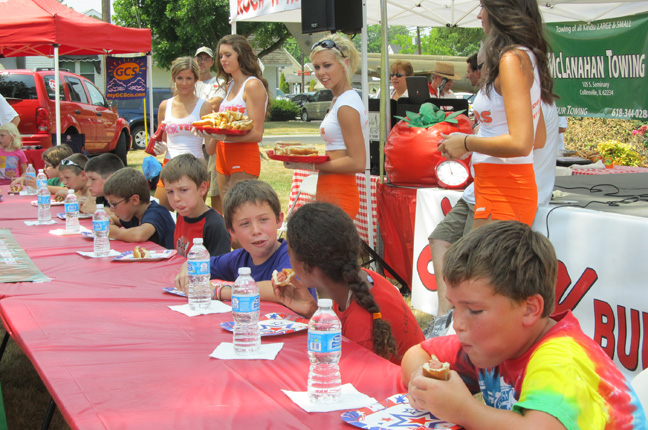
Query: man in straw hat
[[442, 77]]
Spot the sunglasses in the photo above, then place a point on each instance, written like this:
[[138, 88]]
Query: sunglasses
[[67, 162], [328, 44], [398, 75]]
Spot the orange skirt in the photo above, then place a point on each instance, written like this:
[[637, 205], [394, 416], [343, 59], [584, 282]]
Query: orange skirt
[[160, 184], [341, 190], [238, 157], [505, 192]]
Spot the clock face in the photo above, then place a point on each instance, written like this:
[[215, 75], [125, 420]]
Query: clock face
[[451, 173]]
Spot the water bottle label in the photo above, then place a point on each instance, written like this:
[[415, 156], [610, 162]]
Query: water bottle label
[[41, 183], [30, 175], [44, 200], [71, 207], [198, 267], [100, 225], [322, 341], [246, 303]]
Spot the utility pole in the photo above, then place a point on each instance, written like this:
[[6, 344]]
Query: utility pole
[[418, 39]]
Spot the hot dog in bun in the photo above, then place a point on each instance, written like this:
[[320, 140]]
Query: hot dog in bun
[[283, 278], [141, 252], [436, 369]]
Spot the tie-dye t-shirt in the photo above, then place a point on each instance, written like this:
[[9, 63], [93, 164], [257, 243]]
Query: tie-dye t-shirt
[[566, 375]]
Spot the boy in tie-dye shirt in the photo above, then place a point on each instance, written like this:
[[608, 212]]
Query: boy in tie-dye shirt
[[535, 370]]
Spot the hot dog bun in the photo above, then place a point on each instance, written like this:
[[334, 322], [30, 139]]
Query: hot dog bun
[[436, 369], [141, 252], [283, 278]]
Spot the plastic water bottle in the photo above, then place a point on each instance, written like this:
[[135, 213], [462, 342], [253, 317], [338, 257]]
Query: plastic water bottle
[[44, 200], [100, 231], [198, 267], [246, 304], [324, 351], [41, 179], [71, 212], [30, 173]]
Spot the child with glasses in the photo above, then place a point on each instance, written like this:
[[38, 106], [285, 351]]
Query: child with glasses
[[345, 127], [138, 218], [400, 69]]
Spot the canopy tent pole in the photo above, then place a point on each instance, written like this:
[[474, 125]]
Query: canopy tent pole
[[385, 113], [57, 96], [365, 102], [149, 73]]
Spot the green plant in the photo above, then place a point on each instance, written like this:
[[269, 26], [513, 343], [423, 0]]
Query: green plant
[[283, 110], [311, 85], [283, 85], [622, 154], [641, 136]]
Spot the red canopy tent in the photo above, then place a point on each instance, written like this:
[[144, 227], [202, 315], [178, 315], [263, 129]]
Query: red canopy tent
[[47, 27]]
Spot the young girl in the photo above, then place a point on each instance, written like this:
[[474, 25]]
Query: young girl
[[13, 162], [238, 157], [324, 247], [178, 113], [515, 80], [344, 128]]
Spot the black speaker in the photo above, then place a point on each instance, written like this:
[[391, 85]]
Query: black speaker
[[331, 15]]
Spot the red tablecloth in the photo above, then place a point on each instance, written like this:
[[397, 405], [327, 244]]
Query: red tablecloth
[[362, 219], [113, 355], [610, 171]]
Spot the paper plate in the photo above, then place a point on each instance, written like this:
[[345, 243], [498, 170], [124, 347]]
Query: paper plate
[[53, 203], [315, 159], [214, 130], [275, 324], [61, 215], [155, 255], [215, 283], [395, 412]]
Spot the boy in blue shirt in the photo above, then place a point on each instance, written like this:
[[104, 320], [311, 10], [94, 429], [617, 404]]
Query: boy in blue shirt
[[128, 194], [253, 216]]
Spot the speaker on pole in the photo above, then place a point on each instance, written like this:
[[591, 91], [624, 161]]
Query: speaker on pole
[[331, 15]]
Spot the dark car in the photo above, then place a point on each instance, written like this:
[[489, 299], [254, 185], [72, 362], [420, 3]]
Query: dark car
[[84, 110], [133, 112], [317, 105]]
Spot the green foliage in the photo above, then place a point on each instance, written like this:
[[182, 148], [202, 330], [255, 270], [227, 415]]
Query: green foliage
[[283, 110], [179, 27], [428, 116], [374, 36], [311, 86], [444, 41], [621, 154], [283, 85]]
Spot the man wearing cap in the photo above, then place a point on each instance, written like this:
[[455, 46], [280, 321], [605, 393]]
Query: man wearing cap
[[442, 77], [208, 88]]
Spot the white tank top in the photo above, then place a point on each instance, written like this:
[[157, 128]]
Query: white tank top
[[237, 104], [180, 139], [493, 121], [330, 129]]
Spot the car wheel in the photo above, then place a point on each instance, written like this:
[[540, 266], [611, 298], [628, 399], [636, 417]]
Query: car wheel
[[304, 115], [121, 149], [139, 137]]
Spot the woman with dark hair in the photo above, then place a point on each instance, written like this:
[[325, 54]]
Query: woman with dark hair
[[400, 70], [324, 247], [238, 157], [515, 80]]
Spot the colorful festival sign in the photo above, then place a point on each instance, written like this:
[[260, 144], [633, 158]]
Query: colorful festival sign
[[126, 78], [599, 69], [246, 9]]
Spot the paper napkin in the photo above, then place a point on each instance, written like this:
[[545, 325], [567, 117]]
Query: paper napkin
[[350, 399], [35, 222], [268, 351], [91, 254], [215, 307], [64, 232], [598, 165]]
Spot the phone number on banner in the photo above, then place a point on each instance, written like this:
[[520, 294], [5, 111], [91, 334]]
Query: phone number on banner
[[630, 113]]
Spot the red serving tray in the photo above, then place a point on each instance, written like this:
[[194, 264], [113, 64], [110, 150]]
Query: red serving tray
[[213, 130], [315, 159]]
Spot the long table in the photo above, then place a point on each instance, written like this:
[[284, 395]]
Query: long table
[[114, 356]]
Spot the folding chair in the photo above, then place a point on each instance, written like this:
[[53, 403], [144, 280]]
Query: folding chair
[[309, 187]]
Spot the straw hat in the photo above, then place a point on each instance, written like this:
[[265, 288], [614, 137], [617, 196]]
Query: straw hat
[[445, 70]]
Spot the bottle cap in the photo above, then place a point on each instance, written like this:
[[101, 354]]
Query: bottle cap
[[198, 240], [70, 191], [324, 303], [244, 271], [100, 206], [41, 171]]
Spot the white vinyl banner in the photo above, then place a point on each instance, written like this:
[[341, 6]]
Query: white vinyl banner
[[602, 272], [246, 9]]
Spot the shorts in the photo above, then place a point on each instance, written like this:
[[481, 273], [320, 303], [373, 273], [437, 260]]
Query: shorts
[[341, 190], [238, 157], [160, 184], [213, 182], [456, 224], [505, 192]]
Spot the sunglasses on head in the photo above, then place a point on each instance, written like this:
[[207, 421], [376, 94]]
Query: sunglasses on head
[[398, 75], [67, 162], [328, 44]]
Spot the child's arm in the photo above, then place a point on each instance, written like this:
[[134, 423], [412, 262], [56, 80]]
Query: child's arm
[[414, 358], [295, 296], [141, 233], [55, 189]]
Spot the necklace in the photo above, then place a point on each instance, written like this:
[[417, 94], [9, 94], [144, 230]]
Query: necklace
[[348, 300]]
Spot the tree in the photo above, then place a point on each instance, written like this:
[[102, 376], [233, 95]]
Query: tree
[[444, 41], [179, 27], [283, 85]]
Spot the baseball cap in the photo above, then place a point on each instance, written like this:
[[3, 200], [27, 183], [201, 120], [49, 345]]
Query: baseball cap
[[206, 50]]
